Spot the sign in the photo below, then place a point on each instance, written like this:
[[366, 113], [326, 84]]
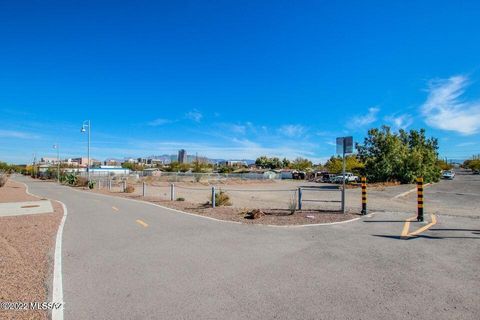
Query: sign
[[344, 144]]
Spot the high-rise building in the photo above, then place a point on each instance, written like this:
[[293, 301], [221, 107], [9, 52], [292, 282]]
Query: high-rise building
[[182, 156]]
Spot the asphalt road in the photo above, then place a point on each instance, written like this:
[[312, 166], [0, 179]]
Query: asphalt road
[[129, 260]]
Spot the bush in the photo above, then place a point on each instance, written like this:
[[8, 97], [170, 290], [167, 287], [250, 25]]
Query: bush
[[130, 189], [81, 182], [222, 199], [180, 199], [3, 179], [91, 184]]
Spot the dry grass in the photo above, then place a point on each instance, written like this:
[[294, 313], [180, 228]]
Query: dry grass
[[3, 179], [130, 189]]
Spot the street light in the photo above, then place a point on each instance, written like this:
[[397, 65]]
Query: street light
[[86, 124], [56, 146]]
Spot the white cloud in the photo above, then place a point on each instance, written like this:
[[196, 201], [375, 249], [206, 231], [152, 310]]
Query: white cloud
[[159, 122], [444, 109], [365, 120], [17, 134], [194, 115], [292, 130], [466, 144], [402, 121]]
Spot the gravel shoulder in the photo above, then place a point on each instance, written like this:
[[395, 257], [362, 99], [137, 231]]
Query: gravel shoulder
[[26, 263]]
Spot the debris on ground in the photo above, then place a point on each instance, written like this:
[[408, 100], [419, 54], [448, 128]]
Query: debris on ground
[[254, 214]]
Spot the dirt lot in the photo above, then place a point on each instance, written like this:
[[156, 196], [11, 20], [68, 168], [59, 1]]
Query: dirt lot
[[26, 244], [272, 198]]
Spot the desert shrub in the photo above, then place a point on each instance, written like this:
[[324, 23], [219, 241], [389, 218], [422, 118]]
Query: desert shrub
[[3, 179], [180, 199], [292, 204], [81, 182], [130, 189], [70, 179], [91, 184], [222, 199]]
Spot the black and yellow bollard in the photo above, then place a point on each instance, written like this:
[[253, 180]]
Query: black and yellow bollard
[[364, 195], [420, 199]]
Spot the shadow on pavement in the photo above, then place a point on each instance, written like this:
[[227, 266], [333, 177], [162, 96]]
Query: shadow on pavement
[[422, 236]]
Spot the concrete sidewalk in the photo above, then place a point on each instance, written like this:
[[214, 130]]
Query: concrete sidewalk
[[24, 208]]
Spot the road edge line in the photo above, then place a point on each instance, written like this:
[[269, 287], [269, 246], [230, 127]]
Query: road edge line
[[424, 228], [403, 194], [57, 287]]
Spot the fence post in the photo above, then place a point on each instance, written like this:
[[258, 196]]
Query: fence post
[[124, 186], [364, 195], [109, 185], [172, 191], [213, 197], [299, 198], [144, 190], [420, 199]]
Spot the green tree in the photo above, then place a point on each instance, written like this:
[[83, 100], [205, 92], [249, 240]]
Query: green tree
[[401, 156], [301, 164], [352, 164]]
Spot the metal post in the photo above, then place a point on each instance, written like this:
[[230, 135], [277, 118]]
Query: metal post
[[88, 164], [420, 199], [364, 195], [144, 191], [299, 198], [124, 186], [109, 185], [343, 174], [213, 197], [172, 192]]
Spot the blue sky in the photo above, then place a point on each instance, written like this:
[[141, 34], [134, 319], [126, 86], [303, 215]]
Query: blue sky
[[230, 79]]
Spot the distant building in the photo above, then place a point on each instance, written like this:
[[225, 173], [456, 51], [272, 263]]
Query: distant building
[[182, 156], [234, 163]]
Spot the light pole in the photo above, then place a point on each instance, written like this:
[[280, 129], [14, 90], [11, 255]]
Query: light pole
[[86, 124], [56, 146]]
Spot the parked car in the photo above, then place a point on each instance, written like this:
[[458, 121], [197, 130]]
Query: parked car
[[349, 177], [448, 174], [298, 175], [476, 172]]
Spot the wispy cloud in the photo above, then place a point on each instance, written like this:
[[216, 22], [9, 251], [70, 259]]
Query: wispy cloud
[[17, 134], [444, 109], [402, 121], [194, 115], [159, 122], [364, 120], [466, 144], [292, 130]]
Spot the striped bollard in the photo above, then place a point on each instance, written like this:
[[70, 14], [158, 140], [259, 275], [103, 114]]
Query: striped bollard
[[364, 195], [420, 199]]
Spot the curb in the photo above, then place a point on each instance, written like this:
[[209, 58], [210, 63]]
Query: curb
[[226, 221]]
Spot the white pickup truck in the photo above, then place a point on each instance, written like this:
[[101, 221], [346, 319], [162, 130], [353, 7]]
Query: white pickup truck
[[349, 177]]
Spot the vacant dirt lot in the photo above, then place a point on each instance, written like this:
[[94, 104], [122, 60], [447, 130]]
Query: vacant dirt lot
[[26, 245]]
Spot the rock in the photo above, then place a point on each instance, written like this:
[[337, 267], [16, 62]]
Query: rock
[[254, 214]]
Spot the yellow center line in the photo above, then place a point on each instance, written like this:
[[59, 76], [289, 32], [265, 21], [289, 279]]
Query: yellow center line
[[115, 208], [406, 227], [424, 228], [140, 222]]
